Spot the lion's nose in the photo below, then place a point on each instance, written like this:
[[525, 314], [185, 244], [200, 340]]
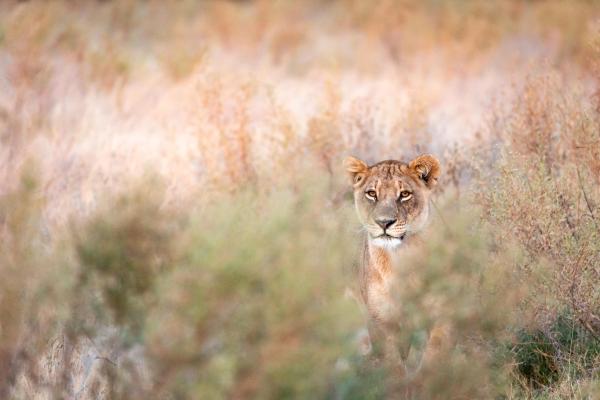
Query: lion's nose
[[385, 222]]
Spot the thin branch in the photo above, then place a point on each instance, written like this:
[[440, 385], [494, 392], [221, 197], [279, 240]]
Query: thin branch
[[108, 360], [587, 200]]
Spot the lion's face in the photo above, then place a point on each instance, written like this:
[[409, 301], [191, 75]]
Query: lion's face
[[392, 197]]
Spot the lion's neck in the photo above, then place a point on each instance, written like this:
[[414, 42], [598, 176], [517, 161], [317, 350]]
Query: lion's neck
[[381, 259]]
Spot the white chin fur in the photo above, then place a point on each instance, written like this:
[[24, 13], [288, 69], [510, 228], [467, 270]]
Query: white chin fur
[[386, 243]]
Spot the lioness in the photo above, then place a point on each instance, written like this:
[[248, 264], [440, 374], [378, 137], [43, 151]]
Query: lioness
[[392, 200]]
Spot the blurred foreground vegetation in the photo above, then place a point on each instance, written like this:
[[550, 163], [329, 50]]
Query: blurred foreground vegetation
[[243, 296]]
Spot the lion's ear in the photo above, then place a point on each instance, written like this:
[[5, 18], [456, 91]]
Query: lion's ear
[[357, 169], [427, 167]]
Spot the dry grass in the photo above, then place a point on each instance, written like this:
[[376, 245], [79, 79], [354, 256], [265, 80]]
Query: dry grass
[[241, 113]]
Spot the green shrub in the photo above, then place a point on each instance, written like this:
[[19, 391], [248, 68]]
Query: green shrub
[[564, 348], [122, 250]]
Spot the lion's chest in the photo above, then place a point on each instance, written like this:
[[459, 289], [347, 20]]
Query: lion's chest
[[380, 302]]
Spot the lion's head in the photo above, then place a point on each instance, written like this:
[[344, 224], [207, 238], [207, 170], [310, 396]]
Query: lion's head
[[392, 197]]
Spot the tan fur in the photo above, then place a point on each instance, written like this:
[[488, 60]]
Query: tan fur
[[392, 203]]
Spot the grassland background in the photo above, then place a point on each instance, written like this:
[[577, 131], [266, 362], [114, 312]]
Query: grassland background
[[175, 221]]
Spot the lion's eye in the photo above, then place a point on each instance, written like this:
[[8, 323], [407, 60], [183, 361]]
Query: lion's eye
[[371, 194], [405, 195]]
